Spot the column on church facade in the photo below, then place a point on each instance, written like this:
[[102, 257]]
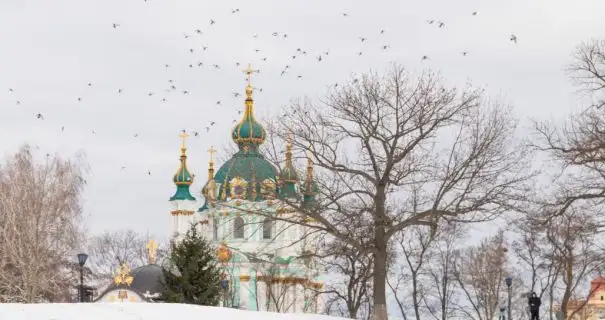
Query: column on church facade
[[244, 289]]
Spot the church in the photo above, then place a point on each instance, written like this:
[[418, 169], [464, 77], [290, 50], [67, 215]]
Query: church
[[243, 211]]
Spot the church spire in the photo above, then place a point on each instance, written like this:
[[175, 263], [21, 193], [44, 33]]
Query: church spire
[[183, 178], [210, 190], [248, 133], [310, 186], [288, 177]]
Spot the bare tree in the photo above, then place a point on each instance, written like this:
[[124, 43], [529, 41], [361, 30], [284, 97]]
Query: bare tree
[[576, 253], [588, 69], [415, 249], [348, 295], [441, 302], [409, 152], [479, 272], [578, 147], [534, 253], [40, 226], [108, 249]]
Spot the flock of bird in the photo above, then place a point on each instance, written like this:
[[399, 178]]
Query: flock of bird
[[298, 54]]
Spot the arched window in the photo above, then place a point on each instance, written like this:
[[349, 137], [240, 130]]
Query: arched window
[[238, 228], [215, 229], [267, 226]]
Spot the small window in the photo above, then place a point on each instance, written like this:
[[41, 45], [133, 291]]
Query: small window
[[267, 226], [238, 228], [215, 229]]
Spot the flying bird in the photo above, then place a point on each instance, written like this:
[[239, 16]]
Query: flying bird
[[441, 24], [212, 22], [425, 57], [362, 39], [464, 53], [39, 116], [198, 31], [474, 13], [513, 38], [115, 25]]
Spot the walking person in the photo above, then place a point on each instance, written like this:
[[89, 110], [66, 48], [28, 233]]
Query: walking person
[[534, 303]]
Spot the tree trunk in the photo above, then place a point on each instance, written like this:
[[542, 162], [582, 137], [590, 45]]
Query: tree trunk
[[380, 276], [380, 255]]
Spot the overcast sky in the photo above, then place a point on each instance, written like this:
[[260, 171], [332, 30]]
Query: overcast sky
[[51, 50]]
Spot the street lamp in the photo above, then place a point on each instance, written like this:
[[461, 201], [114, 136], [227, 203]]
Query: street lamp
[[225, 286], [509, 283], [81, 261]]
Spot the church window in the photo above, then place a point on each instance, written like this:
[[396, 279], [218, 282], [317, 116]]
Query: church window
[[215, 229], [267, 226], [238, 228]]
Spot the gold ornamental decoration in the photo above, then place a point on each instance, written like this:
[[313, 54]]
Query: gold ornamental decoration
[[268, 189], [123, 277], [238, 188], [223, 253], [152, 248]]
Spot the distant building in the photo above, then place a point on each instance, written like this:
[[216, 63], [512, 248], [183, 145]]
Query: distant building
[[143, 284], [594, 307], [265, 260]]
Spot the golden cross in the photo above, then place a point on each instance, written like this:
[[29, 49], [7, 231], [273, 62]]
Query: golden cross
[[152, 246], [183, 137], [212, 151], [249, 71]]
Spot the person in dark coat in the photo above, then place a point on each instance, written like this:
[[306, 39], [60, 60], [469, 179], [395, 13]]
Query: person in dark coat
[[534, 306]]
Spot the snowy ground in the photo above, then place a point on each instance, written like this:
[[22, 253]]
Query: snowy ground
[[137, 311]]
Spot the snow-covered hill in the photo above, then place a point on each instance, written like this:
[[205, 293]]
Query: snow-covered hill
[[138, 311]]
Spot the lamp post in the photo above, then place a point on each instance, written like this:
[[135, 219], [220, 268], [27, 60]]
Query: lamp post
[[81, 261], [509, 283], [225, 287]]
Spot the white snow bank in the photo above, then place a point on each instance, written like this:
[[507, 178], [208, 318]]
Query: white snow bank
[[138, 311]]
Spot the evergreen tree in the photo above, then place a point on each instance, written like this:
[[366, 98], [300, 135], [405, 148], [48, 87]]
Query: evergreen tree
[[193, 275]]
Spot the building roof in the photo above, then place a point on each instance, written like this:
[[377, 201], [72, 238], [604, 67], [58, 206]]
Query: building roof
[[146, 280]]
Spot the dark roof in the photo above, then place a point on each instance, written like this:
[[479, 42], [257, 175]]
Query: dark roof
[[145, 278]]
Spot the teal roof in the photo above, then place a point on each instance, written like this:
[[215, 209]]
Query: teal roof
[[249, 165], [287, 190], [182, 193], [248, 130], [183, 179]]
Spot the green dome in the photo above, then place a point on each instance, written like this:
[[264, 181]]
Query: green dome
[[249, 165], [248, 131], [183, 179]]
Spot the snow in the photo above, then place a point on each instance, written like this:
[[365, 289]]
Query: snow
[[138, 311]]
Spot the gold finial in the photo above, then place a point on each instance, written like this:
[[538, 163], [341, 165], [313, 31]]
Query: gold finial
[[309, 166], [152, 247], [289, 143], [183, 137], [212, 151], [249, 71], [123, 276]]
